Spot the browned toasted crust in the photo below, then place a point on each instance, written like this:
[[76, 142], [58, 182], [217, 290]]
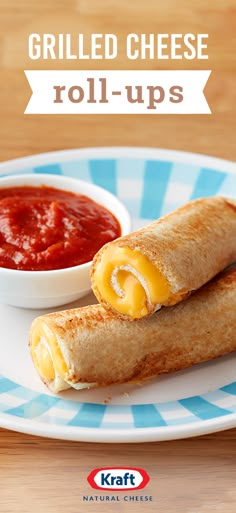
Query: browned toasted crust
[[189, 246], [103, 349]]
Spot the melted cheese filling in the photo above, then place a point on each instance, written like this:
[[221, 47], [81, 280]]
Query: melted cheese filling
[[49, 362], [46, 354], [129, 282]]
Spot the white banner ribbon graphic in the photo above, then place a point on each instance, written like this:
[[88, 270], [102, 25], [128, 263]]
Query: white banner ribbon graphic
[[117, 92]]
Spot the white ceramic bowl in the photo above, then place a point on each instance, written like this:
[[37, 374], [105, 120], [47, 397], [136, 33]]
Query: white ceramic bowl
[[45, 289]]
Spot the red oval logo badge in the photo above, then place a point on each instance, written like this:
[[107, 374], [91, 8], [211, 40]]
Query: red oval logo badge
[[118, 478]]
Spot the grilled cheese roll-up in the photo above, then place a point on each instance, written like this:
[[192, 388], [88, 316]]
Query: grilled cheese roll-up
[[91, 346], [164, 262]]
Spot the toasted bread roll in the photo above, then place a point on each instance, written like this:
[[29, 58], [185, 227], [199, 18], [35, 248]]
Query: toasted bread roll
[[91, 346], [168, 259]]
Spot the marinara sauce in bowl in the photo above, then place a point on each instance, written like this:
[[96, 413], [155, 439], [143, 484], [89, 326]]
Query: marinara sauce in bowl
[[50, 229]]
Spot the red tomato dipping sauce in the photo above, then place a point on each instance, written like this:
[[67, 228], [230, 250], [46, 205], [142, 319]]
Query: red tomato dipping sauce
[[44, 228]]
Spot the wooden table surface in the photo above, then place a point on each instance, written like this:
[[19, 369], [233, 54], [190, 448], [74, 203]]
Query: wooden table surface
[[189, 476]]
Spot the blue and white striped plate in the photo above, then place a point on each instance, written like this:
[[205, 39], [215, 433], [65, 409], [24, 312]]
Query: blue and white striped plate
[[195, 401]]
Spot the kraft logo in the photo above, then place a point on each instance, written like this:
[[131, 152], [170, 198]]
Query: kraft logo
[[118, 478]]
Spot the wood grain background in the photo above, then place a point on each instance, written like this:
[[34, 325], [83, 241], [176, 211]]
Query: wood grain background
[[210, 134], [188, 476]]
